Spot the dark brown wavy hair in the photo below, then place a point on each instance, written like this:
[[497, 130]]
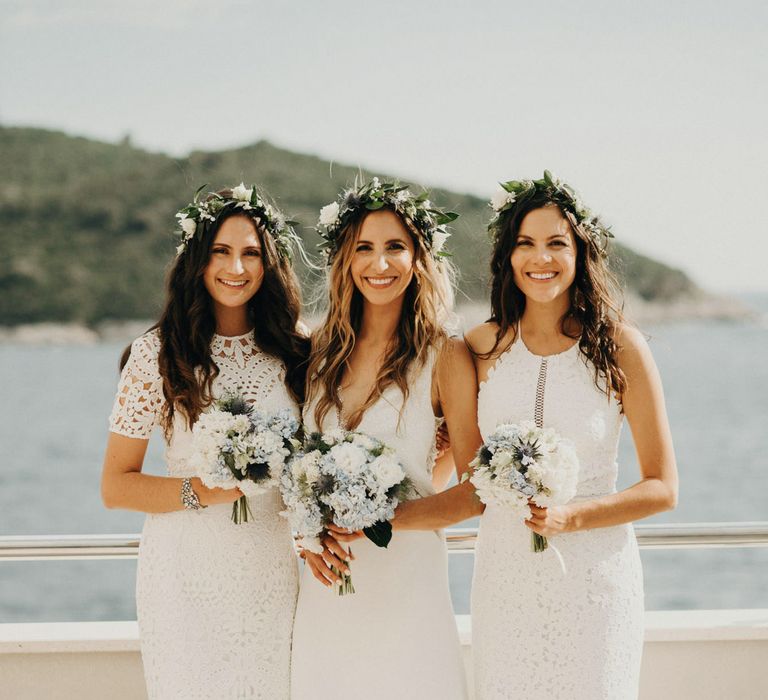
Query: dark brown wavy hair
[[595, 310], [187, 325], [426, 308]]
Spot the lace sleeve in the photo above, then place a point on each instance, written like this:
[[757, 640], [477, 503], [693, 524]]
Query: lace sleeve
[[139, 398]]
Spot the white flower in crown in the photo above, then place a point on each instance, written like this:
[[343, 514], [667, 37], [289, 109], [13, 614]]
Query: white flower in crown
[[242, 193], [375, 183], [189, 226], [329, 214], [403, 196], [438, 240], [501, 198]]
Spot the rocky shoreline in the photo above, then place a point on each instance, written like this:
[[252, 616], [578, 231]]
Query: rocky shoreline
[[644, 313]]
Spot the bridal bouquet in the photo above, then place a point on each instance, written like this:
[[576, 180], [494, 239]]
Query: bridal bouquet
[[348, 479], [237, 446], [521, 463]]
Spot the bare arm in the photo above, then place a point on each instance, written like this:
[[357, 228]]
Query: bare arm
[[443, 469], [124, 486], [457, 392], [644, 407]]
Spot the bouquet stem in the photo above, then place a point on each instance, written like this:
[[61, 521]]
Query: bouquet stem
[[345, 586], [538, 542], [241, 511]]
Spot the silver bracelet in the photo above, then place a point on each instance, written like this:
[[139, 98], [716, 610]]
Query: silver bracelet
[[189, 498]]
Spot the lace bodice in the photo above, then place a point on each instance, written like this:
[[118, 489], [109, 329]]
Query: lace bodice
[[243, 368], [561, 390], [410, 433]]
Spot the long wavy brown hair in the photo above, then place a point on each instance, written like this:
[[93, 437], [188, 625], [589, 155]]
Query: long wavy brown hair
[[427, 308], [596, 300], [187, 325]]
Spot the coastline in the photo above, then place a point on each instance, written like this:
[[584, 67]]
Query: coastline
[[644, 313]]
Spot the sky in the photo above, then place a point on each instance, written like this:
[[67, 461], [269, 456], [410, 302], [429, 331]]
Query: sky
[[656, 111]]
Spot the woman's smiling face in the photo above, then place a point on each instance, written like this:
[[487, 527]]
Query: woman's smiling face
[[382, 263], [544, 257], [235, 267]]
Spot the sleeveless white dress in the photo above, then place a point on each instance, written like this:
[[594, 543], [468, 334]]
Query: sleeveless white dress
[[539, 632], [215, 600], [395, 637]]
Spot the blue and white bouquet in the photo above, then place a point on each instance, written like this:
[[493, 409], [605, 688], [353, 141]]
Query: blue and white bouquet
[[348, 479], [522, 463], [236, 446]]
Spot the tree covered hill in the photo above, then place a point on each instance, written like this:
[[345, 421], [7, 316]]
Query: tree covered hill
[[87, 227]]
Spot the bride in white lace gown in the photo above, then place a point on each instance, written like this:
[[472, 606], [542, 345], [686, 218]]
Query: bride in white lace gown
[[566, 623], [396, 636], [215, 600]]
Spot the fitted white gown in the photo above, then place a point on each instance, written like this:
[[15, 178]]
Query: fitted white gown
[[395, 637], [539, 632], [215, 600]]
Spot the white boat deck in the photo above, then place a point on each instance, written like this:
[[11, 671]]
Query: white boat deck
[[689, 655]]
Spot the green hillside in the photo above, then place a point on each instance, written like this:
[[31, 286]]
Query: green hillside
[[87, 226]]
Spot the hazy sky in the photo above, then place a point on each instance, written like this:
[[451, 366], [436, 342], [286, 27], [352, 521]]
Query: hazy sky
[[656, 111]]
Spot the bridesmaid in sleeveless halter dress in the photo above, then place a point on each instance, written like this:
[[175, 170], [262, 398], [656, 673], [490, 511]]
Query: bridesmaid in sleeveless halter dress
[[566, 623], [395, 637]]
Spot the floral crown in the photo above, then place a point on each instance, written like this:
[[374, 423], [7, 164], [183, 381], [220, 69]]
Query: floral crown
[[203, 211], [428, 222], [512, 194]]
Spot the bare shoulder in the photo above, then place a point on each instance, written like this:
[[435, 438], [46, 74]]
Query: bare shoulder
[[453, 355], [482, 338], [633, 351]]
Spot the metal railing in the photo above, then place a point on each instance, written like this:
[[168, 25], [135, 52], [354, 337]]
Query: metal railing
[[459, 540]]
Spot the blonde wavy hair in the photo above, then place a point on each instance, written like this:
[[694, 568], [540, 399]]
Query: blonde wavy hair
[[427, 311]]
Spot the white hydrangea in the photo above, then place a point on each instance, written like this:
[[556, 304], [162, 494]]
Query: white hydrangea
[[334, 436]]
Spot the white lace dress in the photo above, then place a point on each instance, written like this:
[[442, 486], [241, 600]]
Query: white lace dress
[[539, 632], [215, 600], [395, 637]]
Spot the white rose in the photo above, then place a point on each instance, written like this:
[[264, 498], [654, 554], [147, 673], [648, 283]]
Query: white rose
[[242, 193], [387, 471], [329, 214], [348, 457], [438, 240], [501, 198], [189, 226]]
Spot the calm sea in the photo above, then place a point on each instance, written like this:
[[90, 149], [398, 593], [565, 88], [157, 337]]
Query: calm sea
[[53, 413]]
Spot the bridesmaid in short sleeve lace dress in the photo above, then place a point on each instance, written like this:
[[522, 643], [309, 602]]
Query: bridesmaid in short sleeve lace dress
[[566, 623], [215, 600]]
